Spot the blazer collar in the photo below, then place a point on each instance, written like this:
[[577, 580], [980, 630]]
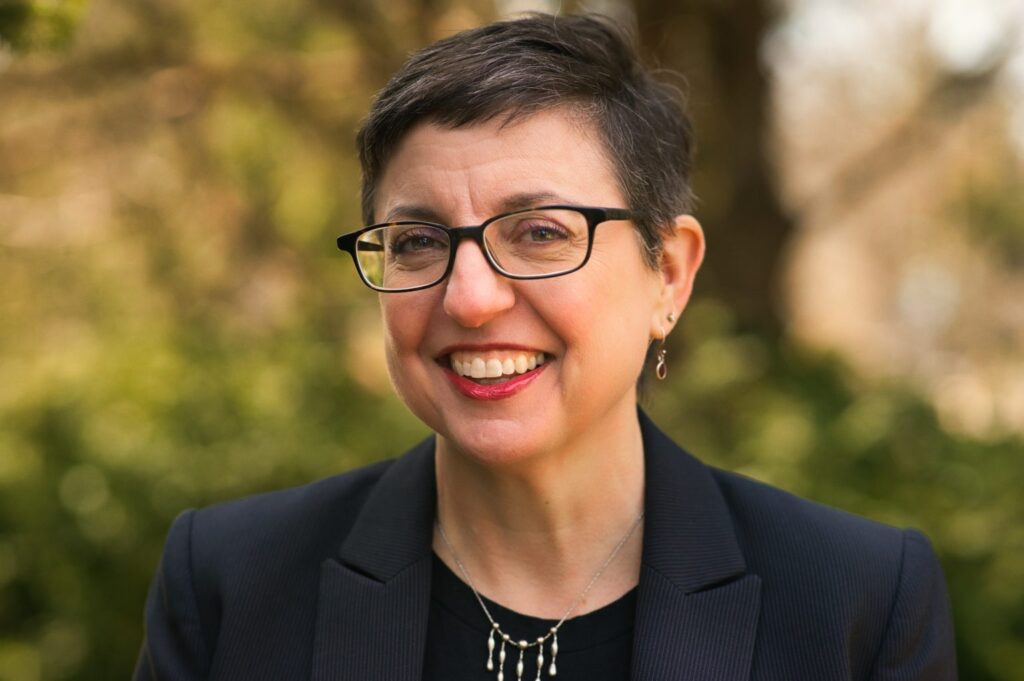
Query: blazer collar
[[374, 601], [697, 610], [396, 525], [688, 533]]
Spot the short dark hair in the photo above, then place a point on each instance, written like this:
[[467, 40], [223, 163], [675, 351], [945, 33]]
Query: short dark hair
[[512, 69]]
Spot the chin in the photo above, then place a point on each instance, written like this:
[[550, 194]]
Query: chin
[[496, 442]]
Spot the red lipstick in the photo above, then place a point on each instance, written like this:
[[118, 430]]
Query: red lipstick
[[494, 391]]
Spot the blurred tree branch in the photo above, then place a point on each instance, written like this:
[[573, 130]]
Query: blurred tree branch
[[950, 97]]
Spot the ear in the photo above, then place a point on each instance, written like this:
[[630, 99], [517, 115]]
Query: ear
[[681, 257]]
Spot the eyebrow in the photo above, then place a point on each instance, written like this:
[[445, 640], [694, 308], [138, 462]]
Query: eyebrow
[[509, 204]]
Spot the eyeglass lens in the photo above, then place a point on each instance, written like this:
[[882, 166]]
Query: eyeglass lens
[[529, 244]]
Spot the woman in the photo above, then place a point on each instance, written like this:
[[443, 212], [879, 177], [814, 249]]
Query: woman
[[548, 528]]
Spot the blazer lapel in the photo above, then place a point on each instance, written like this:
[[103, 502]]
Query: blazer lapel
[[697, 608], [374, 598]]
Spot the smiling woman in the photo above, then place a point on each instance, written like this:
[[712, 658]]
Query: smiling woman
[[526, 195]]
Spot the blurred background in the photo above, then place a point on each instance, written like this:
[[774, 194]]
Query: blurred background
[[177, 328]]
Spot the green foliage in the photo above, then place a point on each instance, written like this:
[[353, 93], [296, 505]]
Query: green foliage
[[993, 208], [37, 25]]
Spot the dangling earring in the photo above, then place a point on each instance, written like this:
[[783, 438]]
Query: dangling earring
[[661, 368]]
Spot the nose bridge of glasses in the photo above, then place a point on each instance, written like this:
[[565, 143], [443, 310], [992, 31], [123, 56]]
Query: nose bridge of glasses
[[473, 233]]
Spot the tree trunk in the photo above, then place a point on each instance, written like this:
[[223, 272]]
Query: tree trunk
[[716, 46]]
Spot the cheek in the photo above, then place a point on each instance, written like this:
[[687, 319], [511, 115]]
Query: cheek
[[605, 321], [405, 317], [405, 323]]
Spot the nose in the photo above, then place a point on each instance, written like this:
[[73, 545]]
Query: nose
[[475, 293]]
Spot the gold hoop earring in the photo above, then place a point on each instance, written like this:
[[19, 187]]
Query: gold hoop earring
[[661, 368]]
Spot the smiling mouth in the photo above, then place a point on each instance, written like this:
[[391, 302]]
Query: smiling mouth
[[494, 367]]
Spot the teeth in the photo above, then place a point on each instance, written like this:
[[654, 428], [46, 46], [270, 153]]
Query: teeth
[[476, 366]]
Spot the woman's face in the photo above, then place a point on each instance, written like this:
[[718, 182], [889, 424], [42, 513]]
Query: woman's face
[[591, 327]]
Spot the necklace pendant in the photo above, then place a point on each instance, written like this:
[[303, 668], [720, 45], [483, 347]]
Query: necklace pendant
[[501, 658], [553, 669], [519, 664], [490, 648]]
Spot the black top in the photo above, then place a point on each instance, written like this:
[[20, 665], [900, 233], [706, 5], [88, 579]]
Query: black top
[[596, 646]]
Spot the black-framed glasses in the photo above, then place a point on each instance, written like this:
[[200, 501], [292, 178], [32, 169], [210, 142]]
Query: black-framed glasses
[[536, 243]]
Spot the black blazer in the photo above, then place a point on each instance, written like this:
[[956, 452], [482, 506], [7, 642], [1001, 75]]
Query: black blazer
[[739, 581]]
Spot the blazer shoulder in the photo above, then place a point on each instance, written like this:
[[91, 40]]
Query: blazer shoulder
[[812, 546], [319, 512], [844, 581]]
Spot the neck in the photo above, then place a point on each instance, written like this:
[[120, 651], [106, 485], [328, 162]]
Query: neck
[[533, 533]]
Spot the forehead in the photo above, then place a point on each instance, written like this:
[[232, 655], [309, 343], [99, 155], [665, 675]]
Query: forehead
[[475, 171]]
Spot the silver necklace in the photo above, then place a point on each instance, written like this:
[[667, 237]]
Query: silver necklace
[[522, 644]]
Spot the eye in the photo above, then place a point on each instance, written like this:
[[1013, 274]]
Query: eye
[[541, 231], [416, 241]]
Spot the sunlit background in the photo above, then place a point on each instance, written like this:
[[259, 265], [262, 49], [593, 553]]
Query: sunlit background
[[176, 327]]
